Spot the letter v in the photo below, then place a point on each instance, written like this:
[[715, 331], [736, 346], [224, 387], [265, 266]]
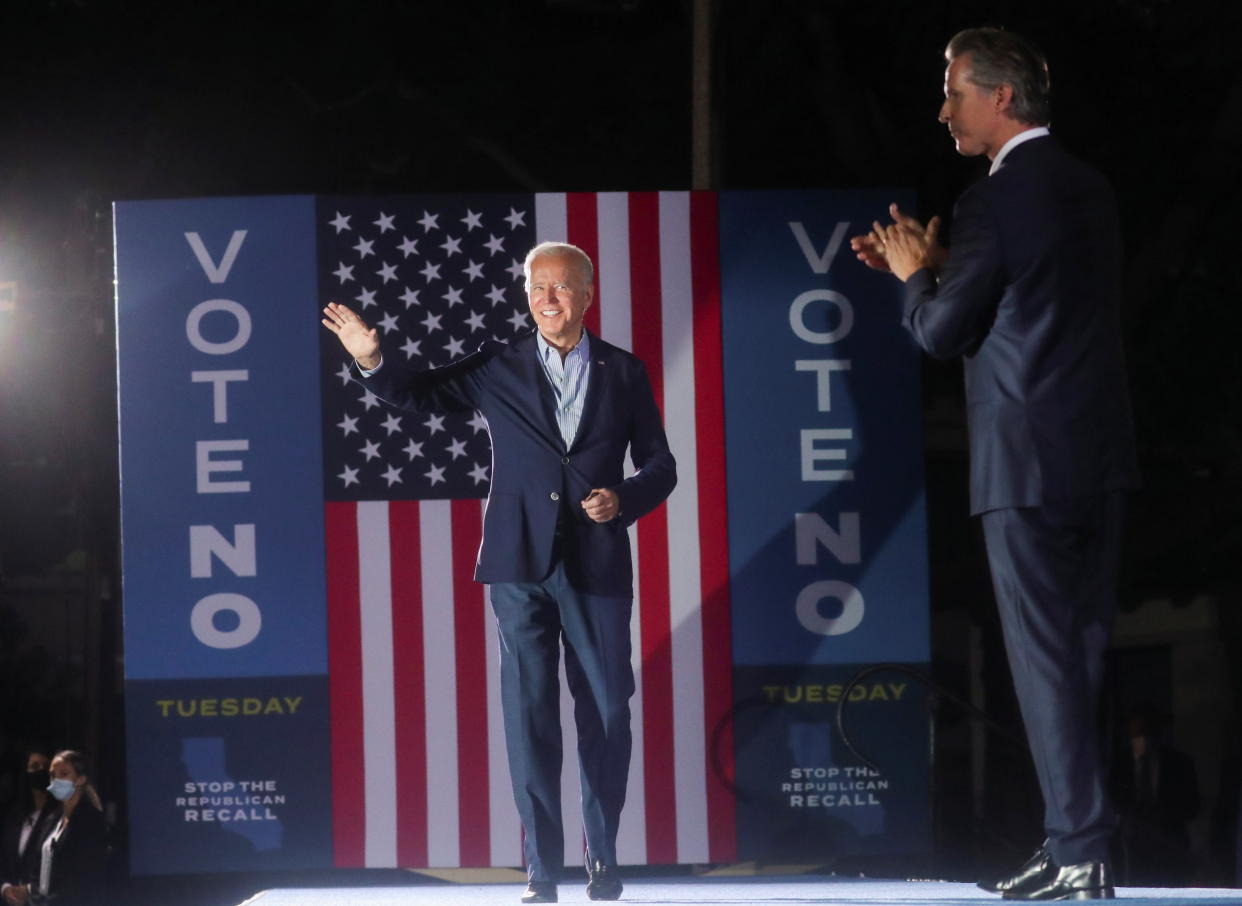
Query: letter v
[[216, 273], [819, 263]]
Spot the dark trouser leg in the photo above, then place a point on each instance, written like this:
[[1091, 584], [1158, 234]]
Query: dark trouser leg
[[529, 625], [597, 667], [1054, 569]]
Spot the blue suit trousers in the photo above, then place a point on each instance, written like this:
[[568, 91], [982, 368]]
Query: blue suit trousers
[[534, 620], [1054, 570]]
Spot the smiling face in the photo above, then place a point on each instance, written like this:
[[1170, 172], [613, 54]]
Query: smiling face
[[975, 116], [559, 295]]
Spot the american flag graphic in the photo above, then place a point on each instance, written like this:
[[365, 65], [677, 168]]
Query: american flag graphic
[[418, 760]]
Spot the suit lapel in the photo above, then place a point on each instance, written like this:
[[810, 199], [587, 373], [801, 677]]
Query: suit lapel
[[531, 373]]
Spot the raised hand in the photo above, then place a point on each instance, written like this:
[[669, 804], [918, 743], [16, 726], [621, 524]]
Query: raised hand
[[359, 340]]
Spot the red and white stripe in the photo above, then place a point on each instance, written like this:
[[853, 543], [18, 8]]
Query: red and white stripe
[[419, 770]]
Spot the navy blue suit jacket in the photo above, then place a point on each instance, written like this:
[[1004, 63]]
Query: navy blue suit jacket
[[1030, 296], [534, 475]]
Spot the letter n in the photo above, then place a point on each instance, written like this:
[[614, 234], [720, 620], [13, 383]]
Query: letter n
[[843, 543], [238, 555]]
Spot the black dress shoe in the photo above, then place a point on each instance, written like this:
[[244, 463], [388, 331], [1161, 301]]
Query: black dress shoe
[[1084, 881], [603, 881], [539, 892], [1030, 873]]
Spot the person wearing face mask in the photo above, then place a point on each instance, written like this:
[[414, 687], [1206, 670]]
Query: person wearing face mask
[[25, 824], [73, 848]]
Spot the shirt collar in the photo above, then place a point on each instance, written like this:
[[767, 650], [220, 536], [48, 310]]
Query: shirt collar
[[582, 350], [1018, 139]]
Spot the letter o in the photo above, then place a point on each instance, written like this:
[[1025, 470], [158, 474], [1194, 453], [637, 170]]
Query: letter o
[[194, 320], [813, 621], [797, 321], [249, 620]]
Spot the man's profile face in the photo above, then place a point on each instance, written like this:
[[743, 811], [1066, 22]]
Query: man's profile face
[[559, 296], [970, 112]]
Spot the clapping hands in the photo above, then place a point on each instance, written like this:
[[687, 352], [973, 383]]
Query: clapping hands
[[901, 248]]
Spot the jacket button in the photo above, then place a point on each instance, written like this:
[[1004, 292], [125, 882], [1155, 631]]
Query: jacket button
[[564, 460], [555, 496]]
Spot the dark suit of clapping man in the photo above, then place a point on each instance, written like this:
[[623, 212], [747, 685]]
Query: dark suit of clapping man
[[561, 407], [1029, 297]]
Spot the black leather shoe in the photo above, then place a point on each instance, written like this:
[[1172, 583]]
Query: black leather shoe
[[1084, 881], [1031, 872], [539, 892], [603, 881]]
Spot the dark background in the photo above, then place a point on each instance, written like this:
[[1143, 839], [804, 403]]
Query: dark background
[[104, 101]]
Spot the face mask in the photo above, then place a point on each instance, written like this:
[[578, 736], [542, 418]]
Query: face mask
[[62, 789], [38, 780]]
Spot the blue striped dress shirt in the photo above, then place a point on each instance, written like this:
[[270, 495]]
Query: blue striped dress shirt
[[569, 382]]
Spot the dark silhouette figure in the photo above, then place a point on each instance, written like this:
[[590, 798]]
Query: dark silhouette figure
[[1156, 793]]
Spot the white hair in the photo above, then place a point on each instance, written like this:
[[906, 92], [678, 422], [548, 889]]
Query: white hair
[[564, 250]]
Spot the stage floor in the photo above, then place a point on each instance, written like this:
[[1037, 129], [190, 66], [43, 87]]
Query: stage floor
[[725, 891]]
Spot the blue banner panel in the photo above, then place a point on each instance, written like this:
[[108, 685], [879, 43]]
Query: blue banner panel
[[827, 528], [221, 488], [802, 797], [228, 774]]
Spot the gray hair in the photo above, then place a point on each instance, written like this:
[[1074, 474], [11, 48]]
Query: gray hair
[[999, 57], [563, 250]]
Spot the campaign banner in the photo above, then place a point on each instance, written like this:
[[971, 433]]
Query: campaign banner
[[221, 487], [827, 527], [298, 556], [228, 773], [802, 796], [222, 535], [827, 524]]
